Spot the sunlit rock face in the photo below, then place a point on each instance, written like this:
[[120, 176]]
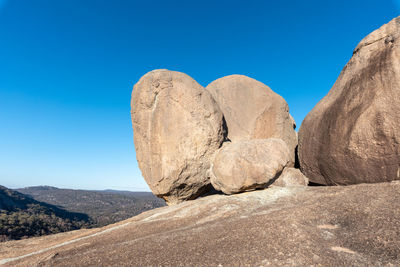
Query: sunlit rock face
[[353, 134], [177, 128], [249, 164], [253, 111]]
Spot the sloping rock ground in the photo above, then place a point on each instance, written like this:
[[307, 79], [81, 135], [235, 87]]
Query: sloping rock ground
[[327, 226]]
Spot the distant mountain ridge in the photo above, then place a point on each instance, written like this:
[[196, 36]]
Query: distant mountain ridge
[[42, 210], [102, 206], [41, 187], [21, 216]]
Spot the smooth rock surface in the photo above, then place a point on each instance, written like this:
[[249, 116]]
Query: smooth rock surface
[[291, 177], [177, 128], [353, 134], [252, 110], [280, 226], [249, 164]]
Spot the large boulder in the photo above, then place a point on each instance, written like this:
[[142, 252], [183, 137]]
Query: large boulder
[[249, 164], [353, 134], [177, 128], [291, 177], [252, 110]]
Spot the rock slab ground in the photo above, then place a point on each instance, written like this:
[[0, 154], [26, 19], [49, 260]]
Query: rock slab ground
[[290, 226]]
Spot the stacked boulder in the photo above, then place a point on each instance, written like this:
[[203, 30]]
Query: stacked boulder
[[249, 164], [252, 110], [352, 135], [236, 134], [261, 133]]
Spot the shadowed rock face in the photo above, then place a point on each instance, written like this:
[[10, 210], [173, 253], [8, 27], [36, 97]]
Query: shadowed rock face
[[252, 110], [249, 164], [280, 226], [177, 128], [353, 134]]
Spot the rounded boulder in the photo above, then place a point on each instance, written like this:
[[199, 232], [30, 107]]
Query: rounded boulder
[[253, 111], [249, 164], [177, 129]]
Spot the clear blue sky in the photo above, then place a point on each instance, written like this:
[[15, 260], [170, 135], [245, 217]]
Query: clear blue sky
[[67, 68]]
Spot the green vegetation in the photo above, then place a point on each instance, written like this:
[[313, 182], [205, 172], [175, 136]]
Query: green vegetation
[[22, 217], [103, 207], [42, 210]]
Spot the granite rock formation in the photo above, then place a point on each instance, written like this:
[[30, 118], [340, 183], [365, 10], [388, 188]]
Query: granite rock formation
[[177, 128], [291, 177], [252, 110], [353, 134], [249, 164]]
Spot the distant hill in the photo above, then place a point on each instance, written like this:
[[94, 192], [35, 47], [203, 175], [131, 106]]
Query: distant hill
[[103, 207], [21, 217]]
